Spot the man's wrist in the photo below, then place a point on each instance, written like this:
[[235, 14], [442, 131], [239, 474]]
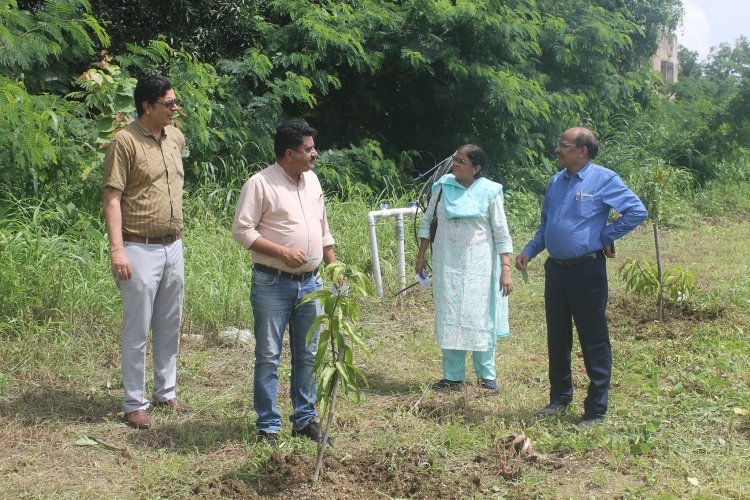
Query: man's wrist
[[115, 250]]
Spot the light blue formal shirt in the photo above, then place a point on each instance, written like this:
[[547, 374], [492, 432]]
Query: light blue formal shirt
[[576, 210]]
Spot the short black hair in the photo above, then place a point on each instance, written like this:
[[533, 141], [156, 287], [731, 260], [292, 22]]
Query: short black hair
[[587, 138], [290, 135], [477, 156], [150, 88]]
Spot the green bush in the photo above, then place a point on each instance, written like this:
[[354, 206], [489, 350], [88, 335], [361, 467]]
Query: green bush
[[360, 171]]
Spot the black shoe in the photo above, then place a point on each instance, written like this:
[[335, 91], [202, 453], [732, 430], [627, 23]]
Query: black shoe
[[310, 431], [444, 384], [551, 410], [267, 437], [589, 422], [490, 385]]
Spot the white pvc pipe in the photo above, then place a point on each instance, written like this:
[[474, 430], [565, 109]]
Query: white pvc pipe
[[398, 213], [400, 249]]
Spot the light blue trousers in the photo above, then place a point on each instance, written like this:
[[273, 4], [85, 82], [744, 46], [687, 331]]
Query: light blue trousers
[[153, 299], [454, 364]]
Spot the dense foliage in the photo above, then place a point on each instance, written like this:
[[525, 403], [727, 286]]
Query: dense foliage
[[392, 87]]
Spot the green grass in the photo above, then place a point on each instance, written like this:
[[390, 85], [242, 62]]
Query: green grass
[[675, 430]]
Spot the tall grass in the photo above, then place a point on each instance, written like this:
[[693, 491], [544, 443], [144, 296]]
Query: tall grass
[[217, 278], [54, 261], [53, 266]]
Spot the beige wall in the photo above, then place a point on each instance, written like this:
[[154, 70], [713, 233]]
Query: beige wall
[[666, 60]]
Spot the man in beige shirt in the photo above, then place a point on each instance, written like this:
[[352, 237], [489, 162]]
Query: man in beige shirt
[[281, 219], [143, 178]]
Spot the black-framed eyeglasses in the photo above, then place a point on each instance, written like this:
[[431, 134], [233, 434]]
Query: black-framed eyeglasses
[[171, 104], [567, 145], [461, 161]]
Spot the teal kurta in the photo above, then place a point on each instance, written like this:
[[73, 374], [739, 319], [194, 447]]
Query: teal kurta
[[472, 232]]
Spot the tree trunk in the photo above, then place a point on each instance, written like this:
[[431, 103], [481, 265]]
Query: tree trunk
[[324, 439]]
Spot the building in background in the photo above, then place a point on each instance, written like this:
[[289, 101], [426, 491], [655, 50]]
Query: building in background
[[666, 60]]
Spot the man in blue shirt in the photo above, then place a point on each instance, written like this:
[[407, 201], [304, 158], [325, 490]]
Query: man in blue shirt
[[575, 231]]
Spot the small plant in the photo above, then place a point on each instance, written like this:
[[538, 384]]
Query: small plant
[[334, 363], [642, 277], [659, 183]]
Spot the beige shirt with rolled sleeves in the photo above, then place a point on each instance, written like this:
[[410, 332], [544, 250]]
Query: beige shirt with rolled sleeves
[[289, 213], [150, 177]]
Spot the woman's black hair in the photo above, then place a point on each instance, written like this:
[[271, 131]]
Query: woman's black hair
[[477, 156]]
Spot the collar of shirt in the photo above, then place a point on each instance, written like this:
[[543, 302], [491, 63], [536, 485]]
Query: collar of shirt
[[146, 132], [299, 183], [581, 174]]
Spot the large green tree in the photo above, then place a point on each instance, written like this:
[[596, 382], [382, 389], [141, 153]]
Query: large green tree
[[384, 81], [709, 110], [428, 75], [420, 75], [46, 142], [210, 30]]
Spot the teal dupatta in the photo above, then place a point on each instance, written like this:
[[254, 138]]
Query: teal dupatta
[[473, 201]]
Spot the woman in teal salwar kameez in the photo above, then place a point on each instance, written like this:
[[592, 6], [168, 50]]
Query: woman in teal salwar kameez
[[471, 268]]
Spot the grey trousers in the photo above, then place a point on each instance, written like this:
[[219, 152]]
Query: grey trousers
[[153, 298]]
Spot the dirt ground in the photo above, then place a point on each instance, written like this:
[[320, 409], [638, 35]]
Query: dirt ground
[[405, 473]]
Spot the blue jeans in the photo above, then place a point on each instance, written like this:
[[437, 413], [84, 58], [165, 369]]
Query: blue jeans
[[274, 300]]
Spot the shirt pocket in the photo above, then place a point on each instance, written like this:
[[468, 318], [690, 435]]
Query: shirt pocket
[[585, 205], [318, 206]]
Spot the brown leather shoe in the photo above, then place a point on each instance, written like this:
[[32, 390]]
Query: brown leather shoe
[[173, 404], [138, 419]]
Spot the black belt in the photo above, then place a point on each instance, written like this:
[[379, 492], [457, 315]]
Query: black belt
[[284, 274], [578, 260], [159, 240]]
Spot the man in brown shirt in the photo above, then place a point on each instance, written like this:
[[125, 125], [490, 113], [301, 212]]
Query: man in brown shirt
[[281, 219], [143, 179]]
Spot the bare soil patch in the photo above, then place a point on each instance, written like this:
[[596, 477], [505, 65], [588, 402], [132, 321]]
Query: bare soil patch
[[407, 472]]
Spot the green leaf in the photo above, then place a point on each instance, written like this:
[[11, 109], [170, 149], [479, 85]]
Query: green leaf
[[85, 441], [313, 328]]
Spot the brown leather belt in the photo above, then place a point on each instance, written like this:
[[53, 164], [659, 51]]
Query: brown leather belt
[[159, 240]]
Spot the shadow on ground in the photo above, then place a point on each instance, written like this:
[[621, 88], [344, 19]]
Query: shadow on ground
[[42, 403]]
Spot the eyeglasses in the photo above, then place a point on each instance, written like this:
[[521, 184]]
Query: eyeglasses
[[566, 145], [461, 161], [171, 104]]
